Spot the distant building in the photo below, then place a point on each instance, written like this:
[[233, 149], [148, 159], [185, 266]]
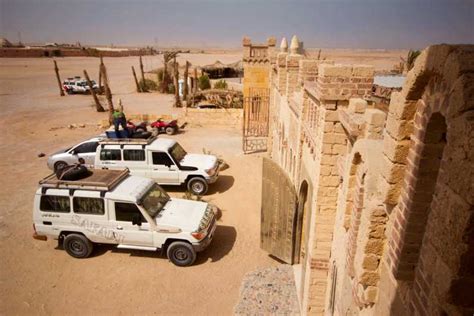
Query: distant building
[[5, 43]]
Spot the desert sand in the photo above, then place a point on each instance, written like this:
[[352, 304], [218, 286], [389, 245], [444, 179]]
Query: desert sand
[[37, 277]]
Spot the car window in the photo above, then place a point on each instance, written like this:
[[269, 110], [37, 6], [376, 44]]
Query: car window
[[161, 158], [110, 154], [134, 154], [89, 147], [124, 212], [53, 203], [90, 206]]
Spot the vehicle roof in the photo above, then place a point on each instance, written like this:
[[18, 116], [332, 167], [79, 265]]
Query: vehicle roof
[[93, 139], [162, 144], [131, 189]]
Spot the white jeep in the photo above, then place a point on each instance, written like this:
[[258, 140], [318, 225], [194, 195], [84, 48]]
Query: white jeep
[[78, 85], [161, 159], [113, 207]]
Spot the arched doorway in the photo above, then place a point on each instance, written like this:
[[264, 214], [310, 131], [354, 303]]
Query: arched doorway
[[300, 231]]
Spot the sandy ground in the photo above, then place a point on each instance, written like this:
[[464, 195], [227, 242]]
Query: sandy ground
[[35, 277]]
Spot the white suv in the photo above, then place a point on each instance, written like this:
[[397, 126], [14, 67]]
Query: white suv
[[83, 153], [78, 85], [112, 207], [161, 159]]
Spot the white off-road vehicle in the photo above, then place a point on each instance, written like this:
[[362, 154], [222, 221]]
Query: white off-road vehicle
[[161, 159], [113, 207], [78, 85]]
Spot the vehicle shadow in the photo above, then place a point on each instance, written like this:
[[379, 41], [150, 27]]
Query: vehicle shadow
[[223, 183], [221, 245]]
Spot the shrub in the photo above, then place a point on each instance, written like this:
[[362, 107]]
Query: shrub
[[148, 85], [171, 88], [204, 82], [221, 84]]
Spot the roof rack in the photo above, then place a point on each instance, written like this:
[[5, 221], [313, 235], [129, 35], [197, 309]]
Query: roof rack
[[97, 180], [132, 141]]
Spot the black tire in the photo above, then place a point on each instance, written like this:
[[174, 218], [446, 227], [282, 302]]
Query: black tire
[[77, 246], [59, 165], [197, 186], [181, 253], [170, 130], [72, 173], [140, 130]]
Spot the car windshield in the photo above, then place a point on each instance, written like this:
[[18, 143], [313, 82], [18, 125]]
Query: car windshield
[[154, 200], [177, 152]]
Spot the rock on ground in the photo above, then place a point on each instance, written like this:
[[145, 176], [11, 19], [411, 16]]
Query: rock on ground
[[268, 291]]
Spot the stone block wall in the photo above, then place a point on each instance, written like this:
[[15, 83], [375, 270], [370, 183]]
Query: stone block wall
[[342, 82], [392, 197], [214, 117], [256, 60]]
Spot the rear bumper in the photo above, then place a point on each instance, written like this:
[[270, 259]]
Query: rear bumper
[[39, 237], [203, 244]]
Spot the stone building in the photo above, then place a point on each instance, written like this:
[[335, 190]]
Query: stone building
[[373, 207]]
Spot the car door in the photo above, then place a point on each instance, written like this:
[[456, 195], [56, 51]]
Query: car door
[[134, 158], [110, 157], [122, 220], [162, 168], [86, 152]]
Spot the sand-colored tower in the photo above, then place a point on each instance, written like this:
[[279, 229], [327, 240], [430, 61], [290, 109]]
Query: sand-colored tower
[[256, 60]]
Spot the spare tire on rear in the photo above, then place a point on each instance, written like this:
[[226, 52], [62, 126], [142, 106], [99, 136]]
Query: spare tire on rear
[[72, 173]]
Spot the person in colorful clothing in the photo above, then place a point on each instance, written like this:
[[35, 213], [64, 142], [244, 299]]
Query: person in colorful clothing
[[120, 119]]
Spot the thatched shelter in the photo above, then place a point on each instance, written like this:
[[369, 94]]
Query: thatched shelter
[[219, 70]]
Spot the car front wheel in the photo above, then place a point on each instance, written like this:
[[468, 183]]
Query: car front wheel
[[77, 246], [59, 165], [181, 253], [197, 186]]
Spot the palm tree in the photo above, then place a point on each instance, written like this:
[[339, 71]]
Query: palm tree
[[409, 62]]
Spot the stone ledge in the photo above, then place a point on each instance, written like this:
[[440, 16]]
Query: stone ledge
[[352, 123]]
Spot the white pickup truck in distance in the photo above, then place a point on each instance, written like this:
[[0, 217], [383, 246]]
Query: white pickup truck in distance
[[113, 207], [161, 159]]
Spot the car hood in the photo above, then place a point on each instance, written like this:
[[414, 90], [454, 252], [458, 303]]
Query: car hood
[[62, 151], [183, 214], [199, 161]]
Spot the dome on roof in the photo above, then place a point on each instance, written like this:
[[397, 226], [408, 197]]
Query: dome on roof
[[284, 45], [295, 45]]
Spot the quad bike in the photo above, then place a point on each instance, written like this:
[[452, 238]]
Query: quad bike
[[169, 128], [137, 130]]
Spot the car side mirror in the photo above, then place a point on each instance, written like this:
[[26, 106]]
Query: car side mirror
[[73, 152], [136, 220]]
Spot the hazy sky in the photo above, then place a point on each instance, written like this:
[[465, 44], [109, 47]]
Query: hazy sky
[[222, 23]]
